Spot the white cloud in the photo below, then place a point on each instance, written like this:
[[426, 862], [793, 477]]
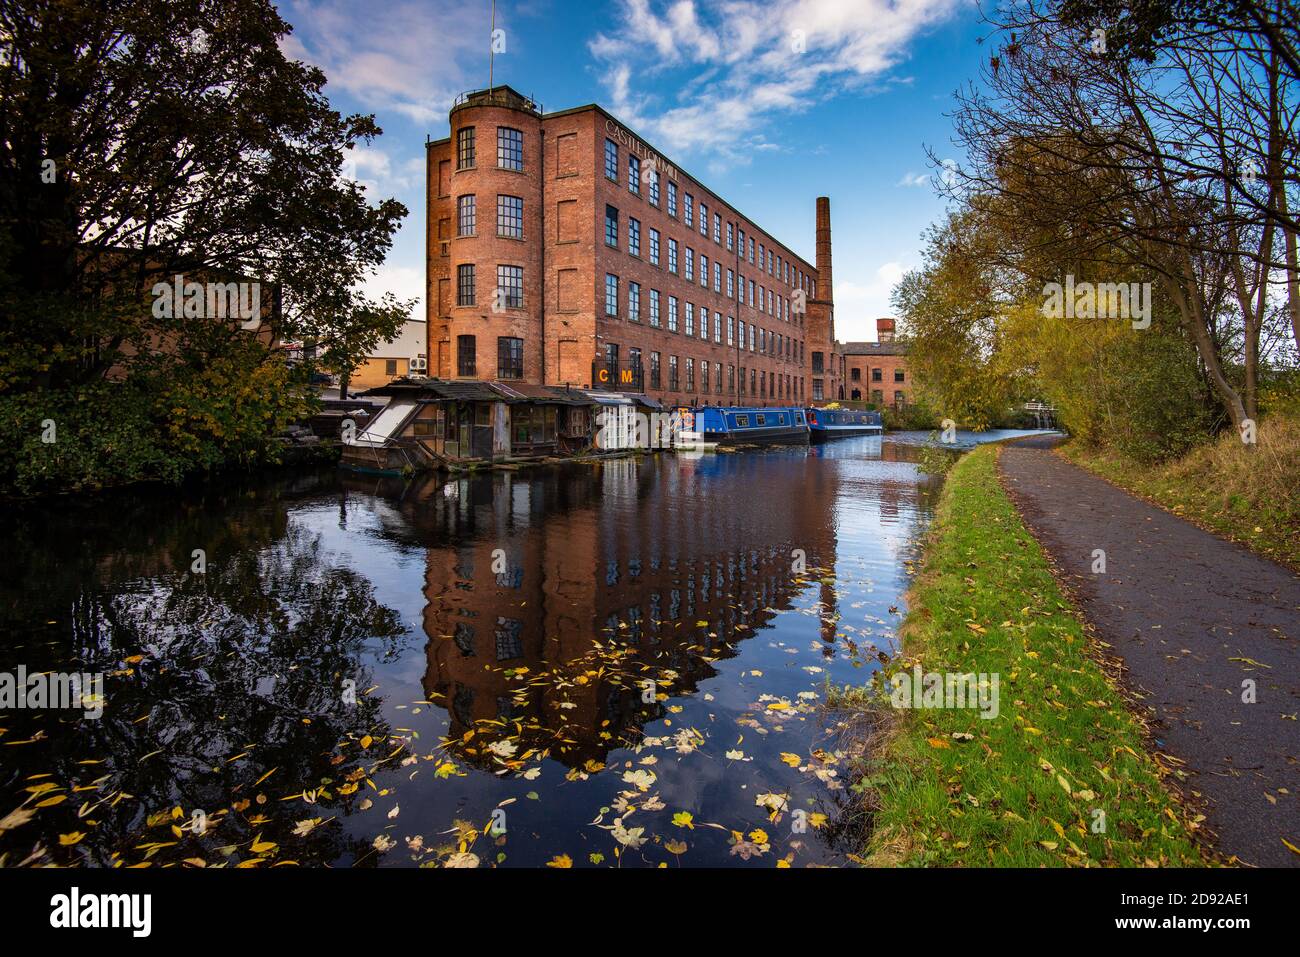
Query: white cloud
[[379, 175], [914, 179], [859, 304], [405, 282], [400, 55], [760, 57]]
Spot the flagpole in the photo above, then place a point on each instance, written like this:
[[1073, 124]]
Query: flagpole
[[491, 41]]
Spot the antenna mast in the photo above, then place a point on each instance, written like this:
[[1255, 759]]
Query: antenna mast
[[492, 43]]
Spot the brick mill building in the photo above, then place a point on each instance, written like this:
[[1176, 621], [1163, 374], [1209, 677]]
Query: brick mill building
[[878, 371], [563, 249]]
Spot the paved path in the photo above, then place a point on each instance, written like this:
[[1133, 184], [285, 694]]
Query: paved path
[[1185, 610]]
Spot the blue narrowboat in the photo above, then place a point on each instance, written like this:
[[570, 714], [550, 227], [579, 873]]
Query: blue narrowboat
[[827, 424], [739, 425]]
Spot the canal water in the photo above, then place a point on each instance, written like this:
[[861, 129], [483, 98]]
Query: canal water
[[612, 664]]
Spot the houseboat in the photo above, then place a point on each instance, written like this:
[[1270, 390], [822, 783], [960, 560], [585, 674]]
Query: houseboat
[[735, 425], [827, 424], [434, 423]]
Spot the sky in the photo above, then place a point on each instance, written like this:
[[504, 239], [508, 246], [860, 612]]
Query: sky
[[769, 103]]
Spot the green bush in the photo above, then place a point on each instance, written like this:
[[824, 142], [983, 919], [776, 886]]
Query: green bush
[[918, 417], [163, 423]]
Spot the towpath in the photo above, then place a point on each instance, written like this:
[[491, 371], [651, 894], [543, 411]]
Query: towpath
[[1199, 624]]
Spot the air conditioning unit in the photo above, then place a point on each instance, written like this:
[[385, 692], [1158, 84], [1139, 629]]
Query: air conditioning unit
[[419, 363]]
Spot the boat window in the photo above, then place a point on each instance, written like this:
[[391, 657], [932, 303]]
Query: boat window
[[781, 419], [760, 419], [798, 418], [742, 421]]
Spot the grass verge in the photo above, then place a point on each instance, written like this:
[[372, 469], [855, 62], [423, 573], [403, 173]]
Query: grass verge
[[1242, 493], [1061, 776]]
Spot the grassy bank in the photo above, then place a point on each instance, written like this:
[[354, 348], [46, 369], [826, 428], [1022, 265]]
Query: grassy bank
[[1062, 759], [1242, 493]]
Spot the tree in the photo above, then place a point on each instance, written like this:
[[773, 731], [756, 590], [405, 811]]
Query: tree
[[360, 327], [1175, 158], [143, 140], [982, 338], [952, 310]]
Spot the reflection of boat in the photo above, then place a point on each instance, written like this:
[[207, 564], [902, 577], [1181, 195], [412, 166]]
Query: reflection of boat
[[827, 424], [738, 425]]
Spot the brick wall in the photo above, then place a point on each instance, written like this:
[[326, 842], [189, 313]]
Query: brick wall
[[889, 366], [565, 259]]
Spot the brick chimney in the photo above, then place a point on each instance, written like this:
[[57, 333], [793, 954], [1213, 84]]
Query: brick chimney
[[885, 330], [824, 359], [825, 282]]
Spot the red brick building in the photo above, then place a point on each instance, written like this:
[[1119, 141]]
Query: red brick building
[[564, 249], [878, 371]]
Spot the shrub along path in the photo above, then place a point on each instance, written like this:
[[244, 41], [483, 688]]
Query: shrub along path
[[1195, 620]]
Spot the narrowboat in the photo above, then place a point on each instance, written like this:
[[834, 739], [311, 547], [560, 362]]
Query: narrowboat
[[738, 425], [827, 424]]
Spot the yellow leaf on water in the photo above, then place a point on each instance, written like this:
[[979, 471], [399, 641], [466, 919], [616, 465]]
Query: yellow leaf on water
[[791, 759], [67, 840], [366, 741], [16, 817], [560, 860]]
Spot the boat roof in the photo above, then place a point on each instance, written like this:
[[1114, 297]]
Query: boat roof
[[748, 408]]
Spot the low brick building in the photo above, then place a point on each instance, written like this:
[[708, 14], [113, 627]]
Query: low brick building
[[563, 249], [878, 371]]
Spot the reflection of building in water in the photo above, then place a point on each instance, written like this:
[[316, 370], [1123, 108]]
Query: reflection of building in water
[[661, 564]]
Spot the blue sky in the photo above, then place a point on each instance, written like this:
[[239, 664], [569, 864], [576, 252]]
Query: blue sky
[[770, 103]]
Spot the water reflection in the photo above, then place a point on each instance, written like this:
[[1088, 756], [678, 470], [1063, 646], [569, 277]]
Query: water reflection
[[568, 591], [582, 645]]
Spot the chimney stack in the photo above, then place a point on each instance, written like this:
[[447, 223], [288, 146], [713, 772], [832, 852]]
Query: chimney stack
[[825, 283]]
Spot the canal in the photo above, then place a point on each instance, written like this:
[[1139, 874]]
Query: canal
[[612, 664]]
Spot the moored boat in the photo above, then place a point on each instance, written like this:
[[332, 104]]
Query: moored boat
[[742, 425], [827, 424]]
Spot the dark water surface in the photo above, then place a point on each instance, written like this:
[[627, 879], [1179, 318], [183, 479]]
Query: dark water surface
[[614, 663]]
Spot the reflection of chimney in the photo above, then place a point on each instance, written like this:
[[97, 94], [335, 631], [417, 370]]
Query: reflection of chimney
[[885, 330], [825, 285]]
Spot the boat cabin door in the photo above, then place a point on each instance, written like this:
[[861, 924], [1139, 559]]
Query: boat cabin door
[[460, 429]]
